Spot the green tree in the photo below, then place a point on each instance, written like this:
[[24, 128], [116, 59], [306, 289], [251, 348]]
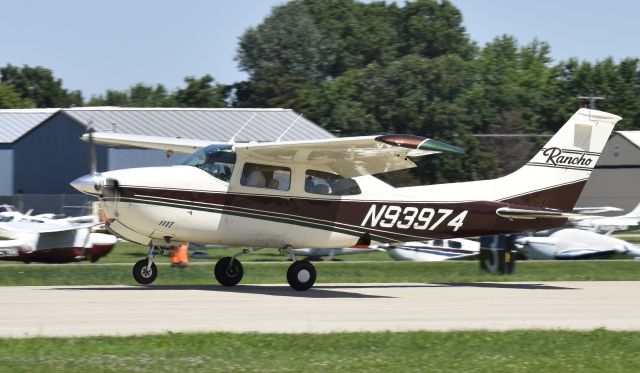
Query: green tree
[[139, 95], [618, 83], [288, 38], [304, 43], [38, 85], [411, 95], [432, 28], [354, 34], [10, 99], [200, 92], [510, 93]]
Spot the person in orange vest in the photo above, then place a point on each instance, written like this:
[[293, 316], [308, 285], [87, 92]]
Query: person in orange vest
[[180, 256]]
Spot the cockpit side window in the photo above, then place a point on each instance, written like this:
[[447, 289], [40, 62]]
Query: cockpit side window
[[217, 160], [326, 183], [265, 176]]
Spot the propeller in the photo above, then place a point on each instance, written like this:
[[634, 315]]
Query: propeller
[[93, 183], [92, 154]]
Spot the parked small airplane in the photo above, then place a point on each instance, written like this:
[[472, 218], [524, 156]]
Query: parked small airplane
[[321, 194], [596, 210], [435, 250], [574, 243], [417, 251], [29, 241], [610, 224], [8, 213], [331, 253]]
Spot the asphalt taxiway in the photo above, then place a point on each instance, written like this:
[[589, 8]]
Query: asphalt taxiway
[[127, 310]]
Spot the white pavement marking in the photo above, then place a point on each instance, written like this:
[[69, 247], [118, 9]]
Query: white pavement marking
[[127, 310]]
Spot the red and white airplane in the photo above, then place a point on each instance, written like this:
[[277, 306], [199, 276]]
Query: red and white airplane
[[321, 194], [52, 242]]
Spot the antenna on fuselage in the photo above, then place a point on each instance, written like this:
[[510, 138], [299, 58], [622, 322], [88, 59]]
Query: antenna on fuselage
[[233, 138], [288, 128]]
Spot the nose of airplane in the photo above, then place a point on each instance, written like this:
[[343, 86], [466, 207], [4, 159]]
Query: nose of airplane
[[89, 184]]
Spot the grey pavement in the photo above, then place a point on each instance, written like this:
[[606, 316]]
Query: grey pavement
[[128, 310]]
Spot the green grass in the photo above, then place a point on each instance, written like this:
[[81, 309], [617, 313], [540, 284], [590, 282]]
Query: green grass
[[513, 351], [269, 266], [125, 252], [337, 272]]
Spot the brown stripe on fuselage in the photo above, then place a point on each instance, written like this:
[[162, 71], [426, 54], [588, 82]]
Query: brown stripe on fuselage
[[481, 219]]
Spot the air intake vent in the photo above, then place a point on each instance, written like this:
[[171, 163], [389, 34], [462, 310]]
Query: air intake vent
[[166, 224]]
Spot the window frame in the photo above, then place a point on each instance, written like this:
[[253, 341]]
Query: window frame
[[243, 176], [334, 177]]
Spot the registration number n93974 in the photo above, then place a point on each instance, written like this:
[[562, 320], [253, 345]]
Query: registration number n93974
[[411, 217]]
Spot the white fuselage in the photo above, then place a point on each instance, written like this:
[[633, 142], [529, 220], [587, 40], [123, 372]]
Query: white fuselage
[[207, 222]]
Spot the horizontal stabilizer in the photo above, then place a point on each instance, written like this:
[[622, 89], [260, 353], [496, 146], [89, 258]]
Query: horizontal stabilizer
[[513, 213]]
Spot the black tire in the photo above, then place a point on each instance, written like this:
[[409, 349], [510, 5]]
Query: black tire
[[301, 275], [228, 275], [145, 275]]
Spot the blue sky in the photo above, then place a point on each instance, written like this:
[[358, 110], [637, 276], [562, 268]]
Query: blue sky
[[98, 45]]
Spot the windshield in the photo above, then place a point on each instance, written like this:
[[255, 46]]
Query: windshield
[[217, 160]]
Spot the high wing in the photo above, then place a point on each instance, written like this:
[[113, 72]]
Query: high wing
[[347, 156], [147, 142]]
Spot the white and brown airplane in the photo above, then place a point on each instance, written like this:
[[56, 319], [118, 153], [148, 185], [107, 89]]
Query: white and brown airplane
[[321, 194]]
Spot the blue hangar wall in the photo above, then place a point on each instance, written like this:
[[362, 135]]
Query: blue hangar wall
[[51, 155]]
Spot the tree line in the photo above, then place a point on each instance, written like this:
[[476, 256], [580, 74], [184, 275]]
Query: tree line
[[365, 68]]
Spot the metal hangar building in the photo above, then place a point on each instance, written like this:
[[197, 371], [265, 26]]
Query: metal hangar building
[[616, 177], [41, 150]]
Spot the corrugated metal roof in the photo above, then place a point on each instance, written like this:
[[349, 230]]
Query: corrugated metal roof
[[206, 124], [632, 136], [14, 123]]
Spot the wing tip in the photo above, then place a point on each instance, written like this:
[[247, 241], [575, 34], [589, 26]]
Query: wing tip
[[419, 143], [435, 145]]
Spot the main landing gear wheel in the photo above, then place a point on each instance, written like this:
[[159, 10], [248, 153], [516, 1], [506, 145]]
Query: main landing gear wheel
[[228, 271], [301, 275], [144, 273]]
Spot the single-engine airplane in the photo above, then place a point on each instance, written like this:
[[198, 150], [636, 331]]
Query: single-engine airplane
[[321, 194]]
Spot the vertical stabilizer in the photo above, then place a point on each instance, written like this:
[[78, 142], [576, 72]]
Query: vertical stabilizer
[[555, 176]]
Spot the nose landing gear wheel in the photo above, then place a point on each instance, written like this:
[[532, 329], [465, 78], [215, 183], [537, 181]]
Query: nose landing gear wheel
[[228, 271], [143, 273], [301, 275]]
